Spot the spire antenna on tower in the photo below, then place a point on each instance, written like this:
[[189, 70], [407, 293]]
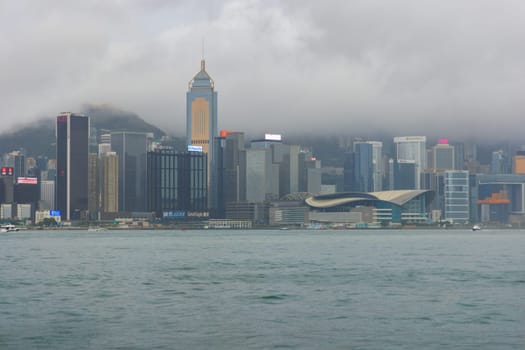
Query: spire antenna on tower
[[203, 66]]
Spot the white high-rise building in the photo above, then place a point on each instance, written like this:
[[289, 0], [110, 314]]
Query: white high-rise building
[[457, 196], [413, 148]]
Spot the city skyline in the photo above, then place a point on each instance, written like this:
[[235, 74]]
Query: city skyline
[[403, 68], [261, 176], [333, 200]]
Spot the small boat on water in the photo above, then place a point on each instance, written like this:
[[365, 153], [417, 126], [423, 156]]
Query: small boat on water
[[97, 229], [476, 228], [8, 228]]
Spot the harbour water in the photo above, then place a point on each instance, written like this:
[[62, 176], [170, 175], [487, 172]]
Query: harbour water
[[262, 290]]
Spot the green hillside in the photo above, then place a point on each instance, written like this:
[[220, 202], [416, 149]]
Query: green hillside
[[38, 138]]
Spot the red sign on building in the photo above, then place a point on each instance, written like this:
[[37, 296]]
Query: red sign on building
[[7, 171]]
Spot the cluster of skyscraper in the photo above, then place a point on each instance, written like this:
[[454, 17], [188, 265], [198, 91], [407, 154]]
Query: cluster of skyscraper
[[114, 174], [129, 174]]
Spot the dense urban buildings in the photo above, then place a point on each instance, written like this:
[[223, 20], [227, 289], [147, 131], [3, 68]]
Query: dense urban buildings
[[227, 180], [265, 181]]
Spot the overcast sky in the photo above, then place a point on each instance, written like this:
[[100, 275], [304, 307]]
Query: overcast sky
[[401, 67]]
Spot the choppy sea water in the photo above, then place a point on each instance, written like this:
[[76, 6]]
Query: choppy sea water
[[262, 290]]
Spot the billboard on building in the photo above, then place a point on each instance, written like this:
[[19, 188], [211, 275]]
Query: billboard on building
[[55, 213], [27, 180], [273, 137]]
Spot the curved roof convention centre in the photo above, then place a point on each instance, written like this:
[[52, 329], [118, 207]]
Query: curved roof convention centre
[[397, 197]]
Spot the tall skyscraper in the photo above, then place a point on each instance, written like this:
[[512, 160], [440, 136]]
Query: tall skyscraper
[[404, 175], [377, 164], [286, 158], [434, 180], [201, 114], [109, 182], [498, 162], [132, 149], [229, 184], [443, 156], [17, 160], [72, 148], [457, 196], [93, 186], [412, 149], [309, 173], [7, 185], [363, 167], [459, 155], [262, 175], [234, 168]]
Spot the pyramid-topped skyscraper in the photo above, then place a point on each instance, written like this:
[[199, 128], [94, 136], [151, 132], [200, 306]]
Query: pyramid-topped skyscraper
[[201, 122], [201, 112]]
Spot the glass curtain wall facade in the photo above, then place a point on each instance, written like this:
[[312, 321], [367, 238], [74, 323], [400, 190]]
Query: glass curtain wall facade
[[363, 167], [177, 182], [377, 161], [443, 157], [412, 149], [131, 148]]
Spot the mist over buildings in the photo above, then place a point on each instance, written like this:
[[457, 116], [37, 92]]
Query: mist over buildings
[[358, 67]]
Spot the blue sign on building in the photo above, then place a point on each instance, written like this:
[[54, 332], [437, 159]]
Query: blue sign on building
[[192, 148], [174, 214], [55, 213]]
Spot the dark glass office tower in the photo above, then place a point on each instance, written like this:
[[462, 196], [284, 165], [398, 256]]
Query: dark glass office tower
[[363, 167], [19, 163], [72, 142], [177, 184], [131, 148], [228, 179], [404, 175]]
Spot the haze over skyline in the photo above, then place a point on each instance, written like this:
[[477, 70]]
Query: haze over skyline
[[407, 67]]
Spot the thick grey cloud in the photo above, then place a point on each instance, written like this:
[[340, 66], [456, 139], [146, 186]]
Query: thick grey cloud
[[404, 67]]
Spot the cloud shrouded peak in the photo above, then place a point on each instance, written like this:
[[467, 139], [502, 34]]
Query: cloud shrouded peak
[[348, 66]]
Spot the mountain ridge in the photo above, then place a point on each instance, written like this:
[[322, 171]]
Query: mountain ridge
[[38, 138]]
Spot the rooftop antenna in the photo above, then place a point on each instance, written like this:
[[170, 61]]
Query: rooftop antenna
[[202, 55]]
